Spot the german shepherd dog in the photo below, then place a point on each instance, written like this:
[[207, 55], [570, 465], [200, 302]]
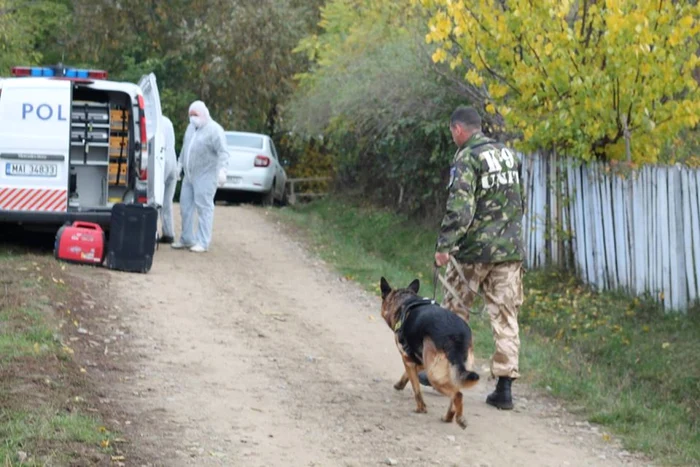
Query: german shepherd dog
[[433, 339]]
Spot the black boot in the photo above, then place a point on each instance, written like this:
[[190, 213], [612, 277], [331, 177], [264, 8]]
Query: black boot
[[423, 378], [501, 398]]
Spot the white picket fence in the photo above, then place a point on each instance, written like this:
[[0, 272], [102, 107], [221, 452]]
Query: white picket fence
[[638, 231]]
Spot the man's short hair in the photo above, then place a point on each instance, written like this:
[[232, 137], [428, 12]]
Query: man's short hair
[[466, 116]]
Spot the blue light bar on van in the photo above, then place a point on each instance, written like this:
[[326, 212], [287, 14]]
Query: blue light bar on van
[[36, 71], [32, 71], [70, 73]]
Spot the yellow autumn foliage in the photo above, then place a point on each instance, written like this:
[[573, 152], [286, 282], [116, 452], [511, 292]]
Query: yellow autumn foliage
[[567, 74]]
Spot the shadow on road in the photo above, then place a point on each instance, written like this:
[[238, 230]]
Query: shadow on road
[[15, 239], [236, 198]]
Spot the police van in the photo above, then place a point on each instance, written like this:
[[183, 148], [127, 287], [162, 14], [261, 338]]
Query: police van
[[73, 144]]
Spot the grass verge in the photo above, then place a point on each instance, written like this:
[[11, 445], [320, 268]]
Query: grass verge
[[44, 416], [618, 361]]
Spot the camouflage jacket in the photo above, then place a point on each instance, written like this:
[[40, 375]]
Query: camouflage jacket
[[483, 220]]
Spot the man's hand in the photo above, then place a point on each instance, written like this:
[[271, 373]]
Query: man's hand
[[221, 177], [441, 259]]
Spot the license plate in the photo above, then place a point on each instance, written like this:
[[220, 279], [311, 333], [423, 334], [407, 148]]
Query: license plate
[[233, 180], [31, 170]]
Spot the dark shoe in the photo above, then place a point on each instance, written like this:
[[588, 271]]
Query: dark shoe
[[423, 378], [166, 239], [501, 398]]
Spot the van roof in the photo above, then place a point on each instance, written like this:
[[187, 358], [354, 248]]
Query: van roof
[[103, 85]]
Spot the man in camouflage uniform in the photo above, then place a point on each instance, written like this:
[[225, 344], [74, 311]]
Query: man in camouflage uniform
[[482, 230]]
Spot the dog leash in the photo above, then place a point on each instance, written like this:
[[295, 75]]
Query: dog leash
[[436, 273], [437, 276]]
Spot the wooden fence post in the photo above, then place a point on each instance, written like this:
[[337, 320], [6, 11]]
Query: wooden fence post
[[292, 194], [630, 205]]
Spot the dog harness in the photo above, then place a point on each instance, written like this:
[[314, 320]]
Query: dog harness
[[398, 327]]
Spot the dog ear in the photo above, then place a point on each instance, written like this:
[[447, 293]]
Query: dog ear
[[414, 286], [385, 287]]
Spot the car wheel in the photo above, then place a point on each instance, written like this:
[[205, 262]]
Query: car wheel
[[268, 199]]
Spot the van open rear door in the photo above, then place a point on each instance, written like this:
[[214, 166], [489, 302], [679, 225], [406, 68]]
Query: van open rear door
[[156, 140], [34, 145]]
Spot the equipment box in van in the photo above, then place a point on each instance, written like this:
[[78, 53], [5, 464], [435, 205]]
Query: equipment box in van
[[73, 144]]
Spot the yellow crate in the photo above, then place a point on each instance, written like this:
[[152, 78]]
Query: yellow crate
[[117, 142], [114, 168], [118, 119], [116, 114], [119, 125], [113, 180]]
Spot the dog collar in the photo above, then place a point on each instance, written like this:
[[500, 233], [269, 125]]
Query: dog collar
[[407, 307]]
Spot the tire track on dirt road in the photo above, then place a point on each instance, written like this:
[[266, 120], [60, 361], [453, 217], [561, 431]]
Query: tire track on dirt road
[[255, 354]]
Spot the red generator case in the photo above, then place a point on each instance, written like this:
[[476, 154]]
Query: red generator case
[[82, 243]]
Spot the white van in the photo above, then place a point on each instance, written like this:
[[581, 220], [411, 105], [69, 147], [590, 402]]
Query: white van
[[72, 144]]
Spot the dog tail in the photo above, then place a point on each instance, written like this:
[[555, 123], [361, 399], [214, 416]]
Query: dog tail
[[463, 377], [468, 378]]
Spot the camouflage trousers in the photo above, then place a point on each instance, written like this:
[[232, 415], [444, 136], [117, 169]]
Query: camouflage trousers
[[502, 290]]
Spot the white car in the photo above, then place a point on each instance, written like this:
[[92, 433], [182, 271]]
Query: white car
[[254, 166]]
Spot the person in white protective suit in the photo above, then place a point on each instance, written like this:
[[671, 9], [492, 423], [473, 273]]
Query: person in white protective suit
[[203, 159], [171, 176]]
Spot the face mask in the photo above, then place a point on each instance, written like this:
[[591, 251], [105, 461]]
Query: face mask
[[196, 121]]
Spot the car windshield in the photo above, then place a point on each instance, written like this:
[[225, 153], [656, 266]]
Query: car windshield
[[245, 141]]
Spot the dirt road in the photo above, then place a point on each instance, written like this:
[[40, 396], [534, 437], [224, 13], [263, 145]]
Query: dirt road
[[256, 354]]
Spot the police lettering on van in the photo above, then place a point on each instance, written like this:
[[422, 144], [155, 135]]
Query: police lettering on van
[[43, 111]]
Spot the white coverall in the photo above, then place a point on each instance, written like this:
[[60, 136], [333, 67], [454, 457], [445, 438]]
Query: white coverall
[[171, 175], [204, 158]]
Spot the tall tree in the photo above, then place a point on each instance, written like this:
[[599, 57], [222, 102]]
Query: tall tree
[[374, 95], [30, 31], [234, 55]]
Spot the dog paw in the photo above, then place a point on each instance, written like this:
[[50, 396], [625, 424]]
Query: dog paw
[[422, 409], [462, 422], [447, 419], [399, 387]]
